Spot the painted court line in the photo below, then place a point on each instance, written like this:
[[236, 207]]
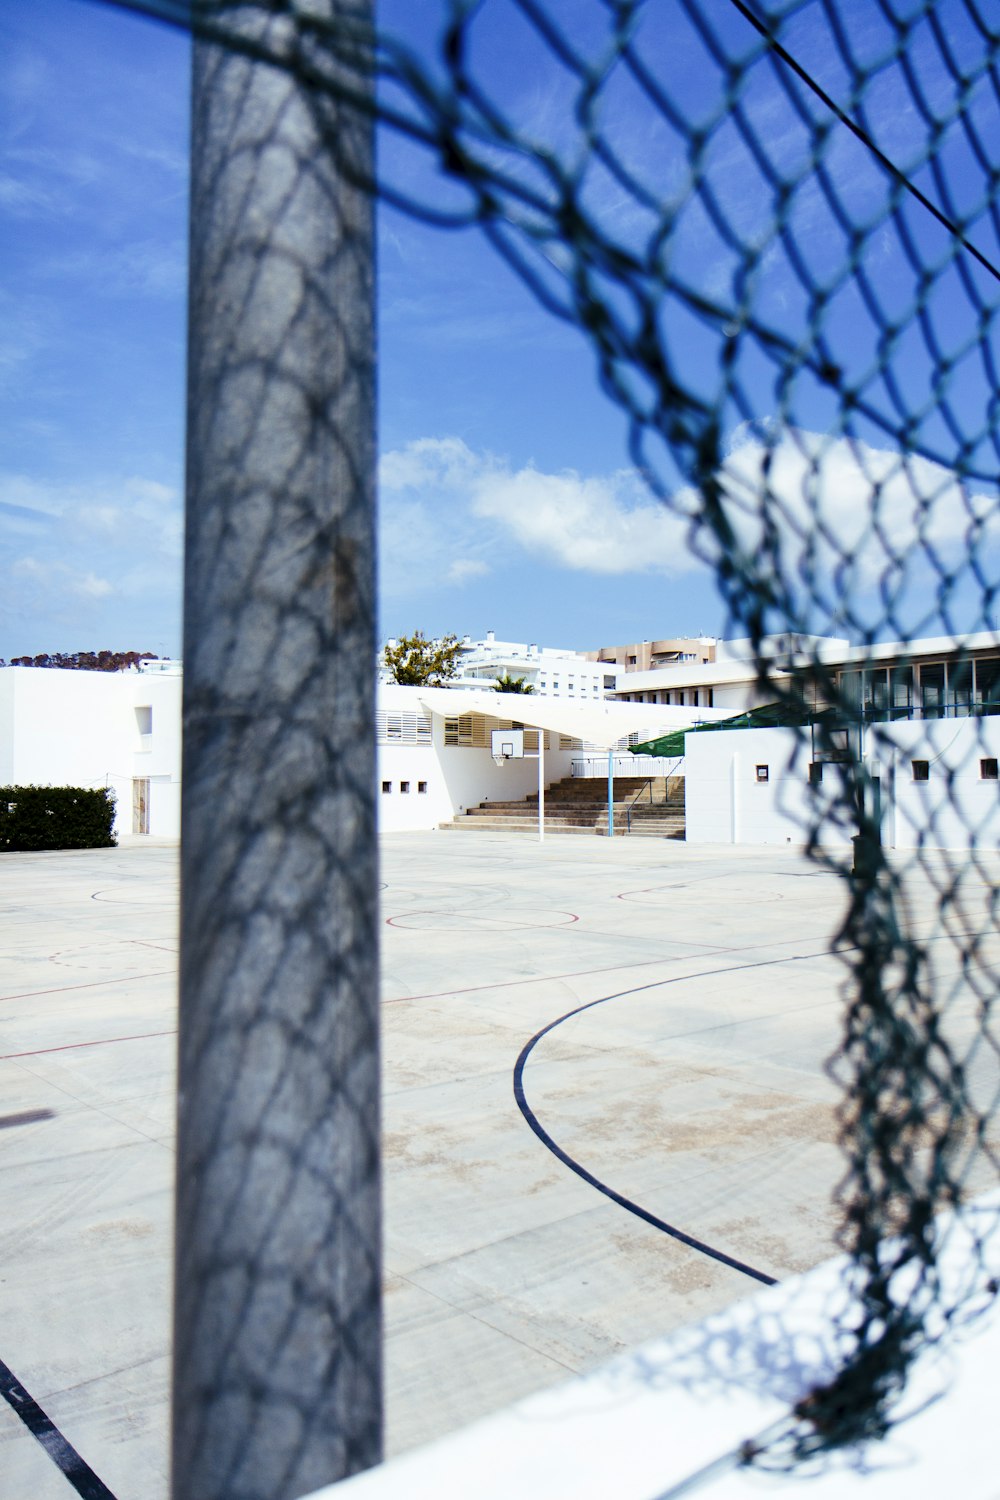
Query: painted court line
[[534, 1124], [104, 1041], [62, 1453], [93, 984]]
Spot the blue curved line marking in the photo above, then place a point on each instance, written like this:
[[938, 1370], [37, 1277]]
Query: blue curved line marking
[[602, 1187]]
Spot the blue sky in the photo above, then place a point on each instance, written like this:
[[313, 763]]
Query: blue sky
[[507, 497]]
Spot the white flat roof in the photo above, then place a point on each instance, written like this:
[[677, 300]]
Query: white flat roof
[[830, 652], [597, 722]]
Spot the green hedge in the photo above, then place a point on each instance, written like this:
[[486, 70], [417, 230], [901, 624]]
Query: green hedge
[[56, 817]]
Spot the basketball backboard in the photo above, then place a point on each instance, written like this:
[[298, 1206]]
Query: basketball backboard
[[508, 744]]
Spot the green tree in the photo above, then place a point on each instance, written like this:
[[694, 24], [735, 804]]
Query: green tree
[[506, 684], [415, 661], [84, 661]]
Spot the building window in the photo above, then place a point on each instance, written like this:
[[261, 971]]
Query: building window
[[988, 769], [404, 786], [988, 685], [959, 701], [609, 682], [900, 692], [710, 702], [144, 719], [932, 687], [816, 773], [421, 786], [402, 728], [763, 773], [386, 788], [921, 770]]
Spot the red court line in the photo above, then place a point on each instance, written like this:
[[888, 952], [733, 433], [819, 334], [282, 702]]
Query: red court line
[[93, 984], [471, 917], [72, 1046]]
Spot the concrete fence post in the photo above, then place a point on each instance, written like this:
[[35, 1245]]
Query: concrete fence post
[[277, 1376]]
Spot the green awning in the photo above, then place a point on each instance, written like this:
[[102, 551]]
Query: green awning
[[768, 716]]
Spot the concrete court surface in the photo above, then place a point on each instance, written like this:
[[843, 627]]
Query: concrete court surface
[[694, 1088]]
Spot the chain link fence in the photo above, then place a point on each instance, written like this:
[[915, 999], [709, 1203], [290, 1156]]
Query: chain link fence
[[777, 227]]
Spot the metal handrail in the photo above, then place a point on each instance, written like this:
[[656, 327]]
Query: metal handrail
[[629, 805]]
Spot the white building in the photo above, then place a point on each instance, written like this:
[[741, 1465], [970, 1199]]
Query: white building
[[434, 758], [925, 716], [116, 729], [936, 782], [551, 672], [729, 681], [641, 656], [435, 747], [923, 720]]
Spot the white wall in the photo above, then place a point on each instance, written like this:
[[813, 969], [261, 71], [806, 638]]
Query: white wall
[[943, 811], [68, 728], [6, 726], [159, 756], [736, 697], [457, 777], [725, 803]]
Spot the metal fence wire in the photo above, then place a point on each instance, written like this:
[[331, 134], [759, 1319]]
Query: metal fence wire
[[777, 227]]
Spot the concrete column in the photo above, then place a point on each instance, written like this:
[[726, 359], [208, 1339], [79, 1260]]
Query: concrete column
[[611, 794], [277, 1376], [541, 786], [735, 794]]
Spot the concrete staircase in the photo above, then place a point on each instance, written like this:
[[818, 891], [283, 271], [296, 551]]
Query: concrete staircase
[[644, 807]]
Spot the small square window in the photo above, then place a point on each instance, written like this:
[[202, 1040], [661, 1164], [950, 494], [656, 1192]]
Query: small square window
[[404, 786], [921, 770], [988, 769], [421, 786], [763, 773], [816, 773], [386, 787]]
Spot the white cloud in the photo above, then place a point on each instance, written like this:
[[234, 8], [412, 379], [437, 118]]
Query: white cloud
[[121, 515], [839, 503], [93, 587], [142, 267], [428, 461], [604, 524], [53, 574], [849, 518], [101, 556], [463, 569], [18, 197]]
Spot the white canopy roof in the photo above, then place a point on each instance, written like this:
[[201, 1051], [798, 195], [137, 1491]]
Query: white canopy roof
[[596, 723]]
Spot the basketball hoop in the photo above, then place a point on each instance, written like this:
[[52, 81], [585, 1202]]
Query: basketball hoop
[[507, 744]]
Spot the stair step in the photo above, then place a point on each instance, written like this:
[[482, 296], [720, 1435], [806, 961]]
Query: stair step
[[580, 806], [501, 825]]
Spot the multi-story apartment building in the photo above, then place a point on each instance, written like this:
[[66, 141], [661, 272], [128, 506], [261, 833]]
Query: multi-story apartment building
[[551, 672], [933, 677], [645, 656]]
